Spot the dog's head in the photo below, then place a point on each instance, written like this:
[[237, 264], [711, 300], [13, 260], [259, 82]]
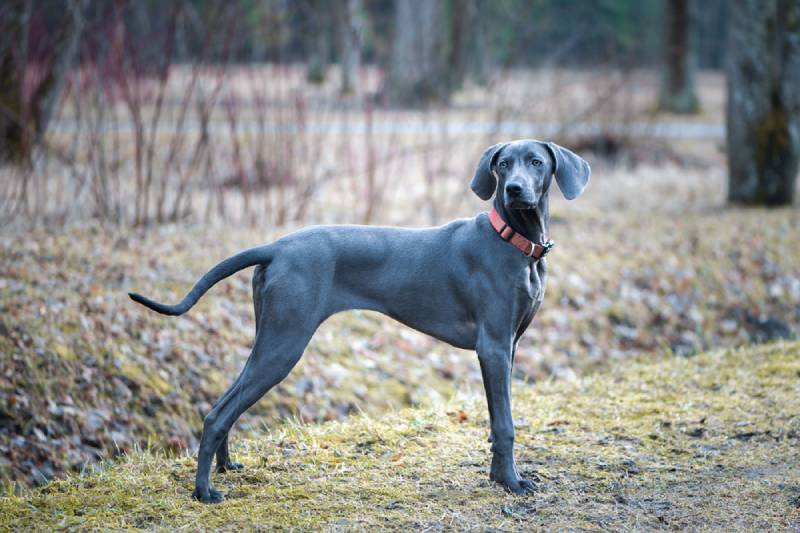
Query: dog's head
[[521, 172]]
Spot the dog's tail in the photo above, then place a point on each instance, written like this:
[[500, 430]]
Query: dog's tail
[[228, 267]]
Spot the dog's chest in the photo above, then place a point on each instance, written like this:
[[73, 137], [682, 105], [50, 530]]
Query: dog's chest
[[536, 275], [529, 290]]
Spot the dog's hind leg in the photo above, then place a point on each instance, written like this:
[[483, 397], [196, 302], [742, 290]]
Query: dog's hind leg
[[279, 345], [224, 462]]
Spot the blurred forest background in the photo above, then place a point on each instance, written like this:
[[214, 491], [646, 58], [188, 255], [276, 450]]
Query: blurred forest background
[[143, 141]]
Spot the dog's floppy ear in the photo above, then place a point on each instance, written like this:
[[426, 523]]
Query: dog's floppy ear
[[484, 183], [572, 172]]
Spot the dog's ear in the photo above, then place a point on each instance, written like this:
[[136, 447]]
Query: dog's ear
[[572, 172], [484, 183]]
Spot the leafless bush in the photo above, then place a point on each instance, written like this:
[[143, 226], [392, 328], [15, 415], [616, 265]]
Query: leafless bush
[[142, 143]]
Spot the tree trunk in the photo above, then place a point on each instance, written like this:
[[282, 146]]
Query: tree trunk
[[465, 43], [677, 81], [763, 108], [462, 14], [416, 74], [478, 45], [349, 17], [317, 40], [14, 135], [65, 47], [24, 124]]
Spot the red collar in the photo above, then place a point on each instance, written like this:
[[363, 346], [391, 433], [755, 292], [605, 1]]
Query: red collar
[[526, 246]]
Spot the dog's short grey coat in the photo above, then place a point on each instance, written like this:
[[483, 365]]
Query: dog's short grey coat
[[459, 283]]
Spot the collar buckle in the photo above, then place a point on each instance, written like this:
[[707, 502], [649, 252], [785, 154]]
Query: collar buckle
[[546, 247]]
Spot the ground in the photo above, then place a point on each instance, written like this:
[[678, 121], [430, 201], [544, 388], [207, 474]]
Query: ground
[[705, 442], [87, 374]]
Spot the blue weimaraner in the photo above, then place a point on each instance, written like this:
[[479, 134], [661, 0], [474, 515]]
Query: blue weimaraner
[[474, 283]]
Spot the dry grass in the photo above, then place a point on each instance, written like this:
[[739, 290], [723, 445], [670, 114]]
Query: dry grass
[[706, 443]]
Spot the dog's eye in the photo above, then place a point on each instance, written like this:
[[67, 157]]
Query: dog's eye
[[536, 162], [503, 164]]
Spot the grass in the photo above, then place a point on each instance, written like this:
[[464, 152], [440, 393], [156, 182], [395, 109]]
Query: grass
[[699, 443]]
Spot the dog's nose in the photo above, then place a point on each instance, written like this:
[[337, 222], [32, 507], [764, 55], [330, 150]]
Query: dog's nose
[[513, 189]]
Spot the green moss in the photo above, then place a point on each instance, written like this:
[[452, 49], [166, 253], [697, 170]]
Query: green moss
[[136, 373], [706, 442], [64, 352]]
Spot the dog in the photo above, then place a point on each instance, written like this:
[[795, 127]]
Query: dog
[[473, 283]]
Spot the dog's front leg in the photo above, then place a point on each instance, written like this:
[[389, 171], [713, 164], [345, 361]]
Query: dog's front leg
[[496, 369]]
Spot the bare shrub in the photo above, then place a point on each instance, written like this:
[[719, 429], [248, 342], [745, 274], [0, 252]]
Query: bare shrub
[[141, 142]]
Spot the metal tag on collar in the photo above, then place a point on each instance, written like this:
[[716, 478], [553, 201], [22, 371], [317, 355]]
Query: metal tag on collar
[[546, 247]]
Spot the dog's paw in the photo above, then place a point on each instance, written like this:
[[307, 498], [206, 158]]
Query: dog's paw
[[523, 486], [229, 467], [518, 486], [208, 496]]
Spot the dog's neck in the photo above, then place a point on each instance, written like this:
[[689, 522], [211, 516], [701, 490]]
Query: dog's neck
[[527, 222]]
